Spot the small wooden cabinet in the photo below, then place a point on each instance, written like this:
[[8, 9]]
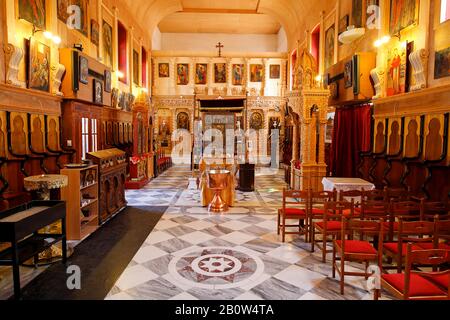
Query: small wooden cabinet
[[81, 196], [112, 177]]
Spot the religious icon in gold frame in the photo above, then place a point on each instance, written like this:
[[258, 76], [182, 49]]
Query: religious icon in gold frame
[[39, 66]]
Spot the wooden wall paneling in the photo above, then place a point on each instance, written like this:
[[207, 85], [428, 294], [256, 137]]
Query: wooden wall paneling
[[121, 141], [414, 172], [367, 156], [377, 171], [4, 184], [36, 143], [434, 186], [394, 169], [53, 142]]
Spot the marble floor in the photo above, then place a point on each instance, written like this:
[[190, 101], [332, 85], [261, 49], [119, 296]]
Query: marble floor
[[192, 254]]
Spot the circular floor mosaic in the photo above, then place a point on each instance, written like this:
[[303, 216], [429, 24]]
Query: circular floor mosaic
[[216, 268]]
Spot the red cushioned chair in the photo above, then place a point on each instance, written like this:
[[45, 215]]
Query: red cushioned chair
[[419, 285], [405, 210], [331, 224], [397, 194], [441, 235], [357, 250], [357, 195], [374, 195], [316, 203], [417, 232], [429, 210], [295, 207], [374, 210]]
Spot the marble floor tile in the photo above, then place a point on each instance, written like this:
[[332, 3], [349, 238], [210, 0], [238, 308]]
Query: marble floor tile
[[158, 289], [274, 289], [183, 296], [159, 265], [199, 225], [134, 276], [225, 294], [238, 237], [300, 277], [196, 237], [287, 253], [173, 245], [158, 236], [147, 253], [235, 225]]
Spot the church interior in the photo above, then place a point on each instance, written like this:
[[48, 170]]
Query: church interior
[[224, 150]]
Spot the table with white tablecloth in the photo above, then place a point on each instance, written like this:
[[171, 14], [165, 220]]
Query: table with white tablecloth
[[347, 184]]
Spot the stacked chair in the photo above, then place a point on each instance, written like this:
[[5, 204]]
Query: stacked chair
[[406, 237]]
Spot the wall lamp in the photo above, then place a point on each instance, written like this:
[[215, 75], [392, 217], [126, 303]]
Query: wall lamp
[[120, 74], [382, 41], [47, 34]]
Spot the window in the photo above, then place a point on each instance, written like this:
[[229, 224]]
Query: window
[[122, 54], [445, 10], [89, 136], [144, 67]]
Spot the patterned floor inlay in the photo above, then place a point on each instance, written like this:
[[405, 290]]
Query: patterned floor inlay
[[192, 254]]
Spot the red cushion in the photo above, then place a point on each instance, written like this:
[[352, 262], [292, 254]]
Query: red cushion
[[418, 286], [294, 212], [393, 247], [354, 246], [317, 212], [441, 280], [357, 209], [331, 225], [429, 245]]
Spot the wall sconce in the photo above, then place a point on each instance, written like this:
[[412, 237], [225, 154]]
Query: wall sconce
[[382, 41], [120, 74], [47, 34]]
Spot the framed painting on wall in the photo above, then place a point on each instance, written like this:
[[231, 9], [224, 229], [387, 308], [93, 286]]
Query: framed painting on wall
[[237, 74], [64, 16], [348, 74], [182, 74], [329, 47], [39, 66], [256, 72], [396, 69], [107, 44], [220, 72], [343, 23], [357, 13], [95, 32], [33, 11], [275, 71], [403, 14], [84, 70], [108, 85], [163, 70], [135, 67], [201, 73], [98, 92], [442, 64]]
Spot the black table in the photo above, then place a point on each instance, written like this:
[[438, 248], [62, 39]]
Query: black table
[[19, 227], [247, 177]]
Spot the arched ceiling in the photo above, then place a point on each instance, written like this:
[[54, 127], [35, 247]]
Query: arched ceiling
[[290, 14]]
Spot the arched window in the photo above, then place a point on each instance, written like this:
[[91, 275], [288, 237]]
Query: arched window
[[445, 10]]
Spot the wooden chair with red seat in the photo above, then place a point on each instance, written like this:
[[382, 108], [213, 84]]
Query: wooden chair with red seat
[[406, 210], [419, 285], [330, 225], [316, 205], [357, 195], [374, 210], [361, 251], [417, 232], [397, 194], [441, 235], [295, 207], [373, 195], [429, 210]]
